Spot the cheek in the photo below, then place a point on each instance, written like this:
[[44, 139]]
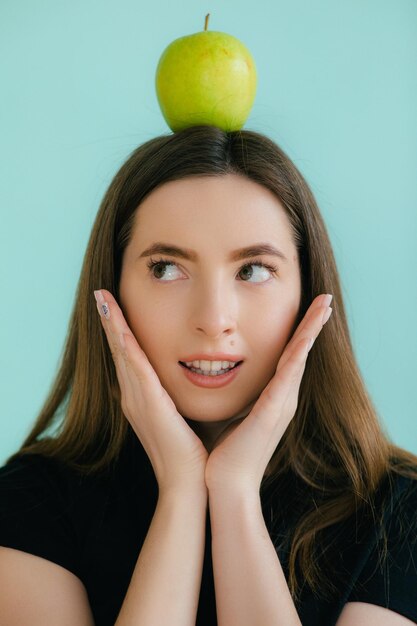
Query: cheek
[[149, 320], [154, 330], [275, 326], [270, 335]]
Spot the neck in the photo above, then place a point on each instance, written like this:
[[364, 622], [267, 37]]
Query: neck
[[212, 433]]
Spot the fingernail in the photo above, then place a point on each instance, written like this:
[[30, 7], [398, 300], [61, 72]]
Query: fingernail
[[102, 306], [99, 297], [327, 299], [326, 316], [106, 310]]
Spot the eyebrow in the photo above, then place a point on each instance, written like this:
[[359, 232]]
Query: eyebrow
[[256, 249]]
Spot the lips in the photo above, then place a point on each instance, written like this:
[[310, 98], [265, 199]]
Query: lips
[[211, 382], [213, 356], [230, 368]]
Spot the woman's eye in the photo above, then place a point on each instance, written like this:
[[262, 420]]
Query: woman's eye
[[264, 269], [160, 266], [158, 270]]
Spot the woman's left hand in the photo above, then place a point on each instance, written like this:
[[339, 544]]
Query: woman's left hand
[[240, 460]]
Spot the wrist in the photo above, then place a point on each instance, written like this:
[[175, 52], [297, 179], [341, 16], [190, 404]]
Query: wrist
[[234, 494], [186, 493], [232, 512]]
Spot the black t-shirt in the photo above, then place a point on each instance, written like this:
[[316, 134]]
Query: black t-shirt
[[95, 527]]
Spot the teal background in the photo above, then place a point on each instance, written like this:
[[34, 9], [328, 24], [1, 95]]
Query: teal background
[[337, 90]]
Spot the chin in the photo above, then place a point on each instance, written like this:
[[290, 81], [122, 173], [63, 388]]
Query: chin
[[206, 412], [216, 415], [207, 417]]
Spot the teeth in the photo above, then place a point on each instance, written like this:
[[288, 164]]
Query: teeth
[[210, 366]]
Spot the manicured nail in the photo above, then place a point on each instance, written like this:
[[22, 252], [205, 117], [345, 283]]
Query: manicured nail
[[106, 310], [99, 297], [102, 306], [326, 316], [327, 300]]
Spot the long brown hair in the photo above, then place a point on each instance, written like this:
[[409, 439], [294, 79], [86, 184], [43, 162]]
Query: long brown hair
[[335, 443]]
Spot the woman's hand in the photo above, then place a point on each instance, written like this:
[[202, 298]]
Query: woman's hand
[[240, 459], [177, 455]]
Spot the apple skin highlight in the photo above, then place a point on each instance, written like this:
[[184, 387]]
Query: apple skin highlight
[[208, 78]]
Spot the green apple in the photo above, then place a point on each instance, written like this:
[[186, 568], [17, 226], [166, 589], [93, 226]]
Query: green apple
[[206, 78]]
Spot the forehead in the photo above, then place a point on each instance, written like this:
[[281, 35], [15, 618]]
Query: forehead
[[230, 209]]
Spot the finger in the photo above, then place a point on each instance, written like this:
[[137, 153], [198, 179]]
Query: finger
[[320, 301], [112, 315], [309, 326], [310, 331], [128, 374], [128, 369], [137, 363], [279, 399], [277, 404], [291, 370], [119, 361], [115, 326], [289, 380]]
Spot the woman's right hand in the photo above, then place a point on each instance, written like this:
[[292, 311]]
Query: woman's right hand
[[177, 454]]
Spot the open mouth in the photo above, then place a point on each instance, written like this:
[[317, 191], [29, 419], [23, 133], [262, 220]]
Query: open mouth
[[211, 373]]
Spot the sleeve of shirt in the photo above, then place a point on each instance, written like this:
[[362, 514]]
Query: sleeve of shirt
[[392, 583], [33, 514]]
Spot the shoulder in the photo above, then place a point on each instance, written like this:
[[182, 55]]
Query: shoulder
[[390, 521], [34, 482], [387, 572], [43, 504], [39, 492], [91, 525]]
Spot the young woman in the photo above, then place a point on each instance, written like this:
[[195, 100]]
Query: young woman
[[208, 453]]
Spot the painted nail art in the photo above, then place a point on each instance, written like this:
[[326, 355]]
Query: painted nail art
[[106, 310]]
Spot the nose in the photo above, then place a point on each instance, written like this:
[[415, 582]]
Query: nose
[[214, 310]]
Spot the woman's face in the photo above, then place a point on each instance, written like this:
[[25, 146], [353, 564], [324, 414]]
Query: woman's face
[[211, 303]]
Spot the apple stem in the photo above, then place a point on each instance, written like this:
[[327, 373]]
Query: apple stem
[[206, 22]]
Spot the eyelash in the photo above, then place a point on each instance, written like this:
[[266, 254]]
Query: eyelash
[[152, 263]]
